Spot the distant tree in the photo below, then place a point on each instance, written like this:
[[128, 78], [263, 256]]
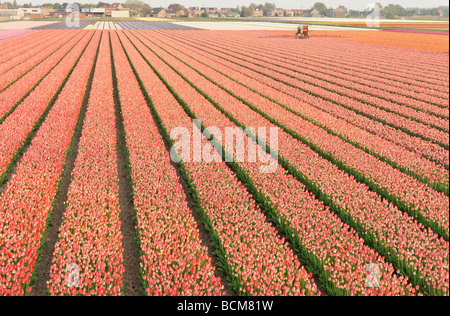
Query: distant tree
[[138, 7], [445, 10], [354, 13], [343, 8], [246, 11], [389, 14], [10, 5], [435, 11], [396, 9], [412, 11], [134, 4], [270, 6], [176, 7], [321, 7], [146, 9]]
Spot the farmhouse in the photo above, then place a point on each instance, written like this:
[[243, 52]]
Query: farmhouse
[[258, 13], [171, 13], [158, 13], [314, 13], [32, 13]]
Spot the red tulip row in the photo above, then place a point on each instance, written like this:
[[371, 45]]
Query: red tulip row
[[16, 92], [324, 238], [254, 258], [346, 97], [408, 193], [28, 196], [369, 97], [16, 46], [410, 67], [7, 35], [426, 149], [419, 89], [392, 99], [352, 72], [412, 64], [366, 90], [10, 77], [90, 239], [23, 54], [173, 261], [421, 168], [413, 249], [17, 127]]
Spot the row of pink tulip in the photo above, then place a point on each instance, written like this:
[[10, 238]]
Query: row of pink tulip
[[17, 126], [436, 175], [16, 91], [345, 59], [325, 238], [351, 71], [17, 46], [40, 43], [90, 240], [408, 65], [411, 247], [406, 191], [418, 145], [11, 76], [174, 262], [11, 41], [29, 195], [396, 95], [367, 88], [375, 101], [407, 69], [10, 46], [10, 34], [341, 95], [257, 261], [298, 102]]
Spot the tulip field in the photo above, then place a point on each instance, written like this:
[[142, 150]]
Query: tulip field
[[92, 201]]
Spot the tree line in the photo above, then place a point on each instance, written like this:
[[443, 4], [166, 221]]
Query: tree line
[[390, 11]]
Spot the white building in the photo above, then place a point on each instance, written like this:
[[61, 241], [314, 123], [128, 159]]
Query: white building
[[28, 11], [120, 14], [99, 12], [11, 14]]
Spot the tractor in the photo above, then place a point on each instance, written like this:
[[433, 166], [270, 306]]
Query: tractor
[[303, 32]]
